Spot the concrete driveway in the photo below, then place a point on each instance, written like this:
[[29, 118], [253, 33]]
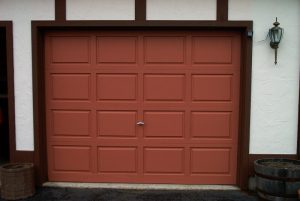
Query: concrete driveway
[[80, 194]]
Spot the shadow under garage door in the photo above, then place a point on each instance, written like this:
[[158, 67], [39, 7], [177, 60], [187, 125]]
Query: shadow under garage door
[[142, 106]]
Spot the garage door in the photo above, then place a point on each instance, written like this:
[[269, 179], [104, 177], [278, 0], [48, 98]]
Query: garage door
[[142, 106]]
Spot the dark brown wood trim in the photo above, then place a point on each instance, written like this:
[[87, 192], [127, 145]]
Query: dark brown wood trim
[[40, 146], [40, 27], [140, 10], [222, 10], [298, 132], [24, 156], [245, 109], [7, 25], [254, 157], [129, 24], [60, 10]]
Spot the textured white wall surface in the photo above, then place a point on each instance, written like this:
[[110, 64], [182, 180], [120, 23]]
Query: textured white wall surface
[[100, 10], [21, 13], [181, 10], [275, 88]]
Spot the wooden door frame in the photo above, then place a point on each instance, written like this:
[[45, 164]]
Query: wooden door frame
[[40, 27], [8, 28]]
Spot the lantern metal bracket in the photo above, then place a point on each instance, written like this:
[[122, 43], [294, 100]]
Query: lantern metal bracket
[[275, 34], [250, 34]]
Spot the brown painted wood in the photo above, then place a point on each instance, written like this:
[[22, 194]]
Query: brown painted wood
[[7, 25], [222, 10], [24, 156], [15, 156], [140, 10], [11, 93], [40, 153], [254, 157], [60, 10], [39, 27], [298, 133], [128, 24], [245, 108]]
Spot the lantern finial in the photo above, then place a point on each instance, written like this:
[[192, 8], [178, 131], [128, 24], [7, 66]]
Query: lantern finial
[[276, 24]]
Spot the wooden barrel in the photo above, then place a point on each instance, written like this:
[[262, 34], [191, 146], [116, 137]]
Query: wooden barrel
[[277, 179]]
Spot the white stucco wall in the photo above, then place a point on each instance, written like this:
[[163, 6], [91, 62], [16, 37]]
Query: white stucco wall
[[274, 113], [21, 13], [100, 10], [274, 88], [181, 10]]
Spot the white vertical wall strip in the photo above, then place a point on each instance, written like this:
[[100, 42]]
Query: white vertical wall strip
[[275, 88], [181, 10], [100, 10], [21, 13]]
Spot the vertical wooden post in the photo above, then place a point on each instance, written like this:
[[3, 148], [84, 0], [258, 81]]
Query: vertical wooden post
[[222, 10], [60, 10], [140, 10]]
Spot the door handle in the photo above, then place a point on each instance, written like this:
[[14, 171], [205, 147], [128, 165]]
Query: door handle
[[140, 123]]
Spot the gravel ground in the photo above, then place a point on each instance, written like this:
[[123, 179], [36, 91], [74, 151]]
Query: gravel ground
[[75, 194]]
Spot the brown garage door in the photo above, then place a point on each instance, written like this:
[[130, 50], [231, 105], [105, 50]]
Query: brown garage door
[[142, 106]]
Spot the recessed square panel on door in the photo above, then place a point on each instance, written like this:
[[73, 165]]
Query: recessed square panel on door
[[116, 123], [70, 86], [71, 123], [116, 49], [163, 124], [211, 87], [210, 49], [164, 87], [71, 158], [116, 87], [210, 160], [161, 160], [70, 49], [117, 159], [210, 124], [164, 50]]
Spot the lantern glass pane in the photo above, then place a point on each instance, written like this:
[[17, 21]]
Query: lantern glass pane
[[276, 34], [271, 35]]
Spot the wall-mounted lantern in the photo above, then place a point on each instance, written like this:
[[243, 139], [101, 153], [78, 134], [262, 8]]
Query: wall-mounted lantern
[[275, 35]]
